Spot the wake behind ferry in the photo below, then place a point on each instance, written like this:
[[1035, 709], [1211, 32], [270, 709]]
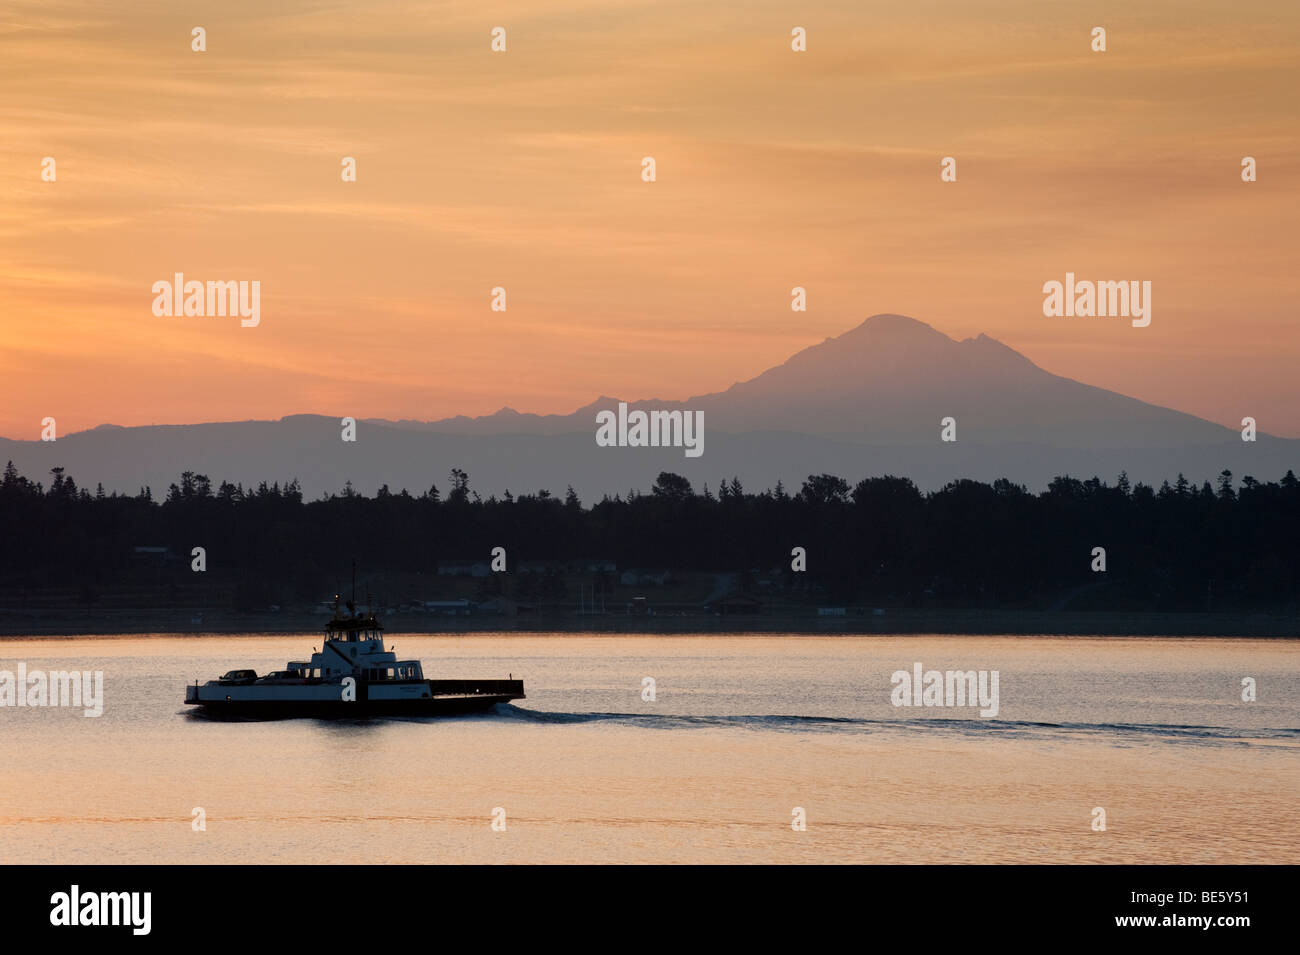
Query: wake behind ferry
[[351, 676]]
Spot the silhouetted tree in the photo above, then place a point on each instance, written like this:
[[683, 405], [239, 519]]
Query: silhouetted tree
[[969, 544]]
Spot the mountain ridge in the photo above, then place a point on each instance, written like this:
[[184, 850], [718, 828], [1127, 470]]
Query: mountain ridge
[[825, 367], [868, 401]]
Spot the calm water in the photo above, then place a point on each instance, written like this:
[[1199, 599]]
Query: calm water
[[743, 730]]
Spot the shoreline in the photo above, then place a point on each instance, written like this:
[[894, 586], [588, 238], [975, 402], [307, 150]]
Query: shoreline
[[1279, 625]]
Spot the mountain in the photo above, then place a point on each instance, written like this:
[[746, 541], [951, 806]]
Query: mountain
[[867, 402], [890, 381]]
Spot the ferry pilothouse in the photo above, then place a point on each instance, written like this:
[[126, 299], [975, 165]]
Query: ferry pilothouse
[[352, 675]]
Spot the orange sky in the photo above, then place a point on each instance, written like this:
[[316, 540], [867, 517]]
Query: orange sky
[[522, 170]]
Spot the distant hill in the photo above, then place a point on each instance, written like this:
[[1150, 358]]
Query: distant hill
[[889, 381], [867, 402]]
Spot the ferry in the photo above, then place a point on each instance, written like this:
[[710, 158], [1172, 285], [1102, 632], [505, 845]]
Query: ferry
[[352, 676]]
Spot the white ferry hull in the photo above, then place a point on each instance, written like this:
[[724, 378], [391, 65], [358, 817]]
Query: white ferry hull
[[325, 700]]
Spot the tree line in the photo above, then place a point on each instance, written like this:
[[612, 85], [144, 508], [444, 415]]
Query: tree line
[[880, 541]]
